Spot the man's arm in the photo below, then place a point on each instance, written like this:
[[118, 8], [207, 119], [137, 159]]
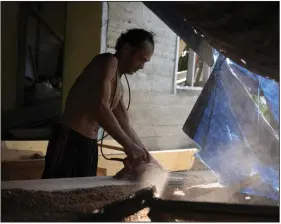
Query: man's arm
[[105, 116], [122, 116]]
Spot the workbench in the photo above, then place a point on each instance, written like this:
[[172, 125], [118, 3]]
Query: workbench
[[160, 210], [73, 183]]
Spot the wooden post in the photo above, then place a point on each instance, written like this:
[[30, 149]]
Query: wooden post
[[191, 68], [176, 65], [206, 72]]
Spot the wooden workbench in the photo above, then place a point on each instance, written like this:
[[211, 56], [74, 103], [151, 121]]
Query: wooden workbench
[[63, 184], [172, 160], [73, 183]]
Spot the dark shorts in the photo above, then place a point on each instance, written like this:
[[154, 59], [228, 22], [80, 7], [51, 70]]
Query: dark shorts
[[70, 154]]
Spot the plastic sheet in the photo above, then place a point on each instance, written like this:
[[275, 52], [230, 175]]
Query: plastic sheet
[[235, 122]]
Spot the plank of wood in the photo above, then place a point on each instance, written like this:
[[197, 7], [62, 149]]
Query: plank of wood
[[73, 183], [42, 146], [29, 170], [109, 146], [28, 145], [15, 154], [63, 184], [173, 160], [181, 80]]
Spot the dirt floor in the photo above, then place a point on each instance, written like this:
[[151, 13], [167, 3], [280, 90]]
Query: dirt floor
[[37, 206]]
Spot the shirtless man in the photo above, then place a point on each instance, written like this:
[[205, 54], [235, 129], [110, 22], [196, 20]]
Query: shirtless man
[[96, 99]]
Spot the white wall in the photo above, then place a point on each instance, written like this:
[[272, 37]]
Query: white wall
[[156, 114]]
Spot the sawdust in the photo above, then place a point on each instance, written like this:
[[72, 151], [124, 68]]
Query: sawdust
[[63, 206], [59, 206], [140, 216], [214, 193]]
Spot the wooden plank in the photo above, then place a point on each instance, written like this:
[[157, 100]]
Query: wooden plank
[[28, 170], [15, 154], [180, 81], [173, 160], [191, 68], [72, 183], [176, 65], [111, 146], [21, 170], [45, 24], [63, 184]]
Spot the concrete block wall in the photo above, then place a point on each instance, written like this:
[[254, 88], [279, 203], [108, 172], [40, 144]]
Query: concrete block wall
[[158, 118], [157, 75], [156, 114]]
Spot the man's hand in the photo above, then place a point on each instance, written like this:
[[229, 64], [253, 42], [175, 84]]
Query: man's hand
[[136, 155], [135, 172], [153, 161]]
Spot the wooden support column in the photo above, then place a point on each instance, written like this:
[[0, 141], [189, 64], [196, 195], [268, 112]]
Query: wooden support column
[[82, 40], [206, 72], [191, 68]]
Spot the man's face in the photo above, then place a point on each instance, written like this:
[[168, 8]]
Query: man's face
[[136, 58]]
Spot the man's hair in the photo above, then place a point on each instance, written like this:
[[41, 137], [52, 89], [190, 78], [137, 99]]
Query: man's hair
[[134, 37]]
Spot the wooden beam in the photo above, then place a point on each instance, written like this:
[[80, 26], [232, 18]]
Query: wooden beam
[[173, 160], [191, 68], [28, 170], [176, 64], [45, 24], [181, 80], [22, 49], [63, 183]]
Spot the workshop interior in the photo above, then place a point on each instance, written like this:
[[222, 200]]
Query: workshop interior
[[231, 131]]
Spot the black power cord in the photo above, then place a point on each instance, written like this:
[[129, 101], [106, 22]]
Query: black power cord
[[103, 137]]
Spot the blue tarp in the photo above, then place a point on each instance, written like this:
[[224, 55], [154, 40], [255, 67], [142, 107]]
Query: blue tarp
[[237, 137]]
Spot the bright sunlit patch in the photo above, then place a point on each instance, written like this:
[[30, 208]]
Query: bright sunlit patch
[[184, 53], [156, 194], [178, 192], [210, 185]]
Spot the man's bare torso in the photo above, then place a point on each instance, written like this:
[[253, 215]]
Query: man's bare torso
[[84, 97]]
